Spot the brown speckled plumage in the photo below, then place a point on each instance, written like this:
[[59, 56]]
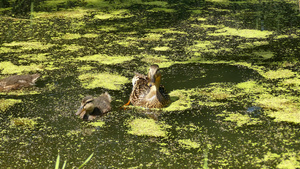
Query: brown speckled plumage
[[18, 81], [91, 107], [147, 91]]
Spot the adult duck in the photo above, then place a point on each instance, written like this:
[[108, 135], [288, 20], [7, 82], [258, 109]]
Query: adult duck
[[147, 91], [17, 82]]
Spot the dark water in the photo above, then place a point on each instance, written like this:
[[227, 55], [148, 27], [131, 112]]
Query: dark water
[[113, 147]]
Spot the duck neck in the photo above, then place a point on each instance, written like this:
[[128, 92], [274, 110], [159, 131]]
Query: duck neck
[[153, 93]]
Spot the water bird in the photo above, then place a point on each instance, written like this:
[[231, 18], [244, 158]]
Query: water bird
[[16, 82], [91, 107], [147, 91]]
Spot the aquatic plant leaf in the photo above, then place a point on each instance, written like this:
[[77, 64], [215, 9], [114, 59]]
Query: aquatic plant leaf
[[57, 162], [86, 161]]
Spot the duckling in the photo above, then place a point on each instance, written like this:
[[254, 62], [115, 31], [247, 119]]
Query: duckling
[[147, 91], [91, 107], [18, 81]]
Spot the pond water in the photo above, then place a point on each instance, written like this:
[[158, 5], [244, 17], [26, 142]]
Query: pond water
[[59, 131], [220, 80]]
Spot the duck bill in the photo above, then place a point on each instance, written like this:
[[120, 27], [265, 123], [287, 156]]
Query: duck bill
[[151, 81], [79, 111]]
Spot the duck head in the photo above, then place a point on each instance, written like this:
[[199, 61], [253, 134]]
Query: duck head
[[154, 76], [87, 106]]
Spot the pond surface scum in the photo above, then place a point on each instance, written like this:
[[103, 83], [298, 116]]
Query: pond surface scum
[[231, 69]]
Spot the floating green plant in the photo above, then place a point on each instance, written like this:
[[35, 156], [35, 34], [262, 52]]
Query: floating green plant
[[264, 54], [188, 143], [70, 36], [161, 48], [167, 31], [286, 36], [290, 161], [90, 35], [9, 50], [218, 93], [251, 87], [71, 13], [105, 59], [239, 119], [246, 33], [293, 83], [277, 74], [97, 124], [29, 45], [165, 151], [107, 28], [282, 108], [248, 45], [72, 47], [184, 101], [73, 132], [6, 103], [157, 3], [123, 13], [162, 61], [104, 80], [23, 122], [147, 127], [152, 37], [36, 57], [200, 46], [129, 41], [167, 10], [9, 68], [85, 68]]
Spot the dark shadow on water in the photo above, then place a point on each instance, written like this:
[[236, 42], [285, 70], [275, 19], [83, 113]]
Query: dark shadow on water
[[185, 76]]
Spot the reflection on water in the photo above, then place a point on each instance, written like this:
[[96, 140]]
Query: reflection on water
[[198, 75]]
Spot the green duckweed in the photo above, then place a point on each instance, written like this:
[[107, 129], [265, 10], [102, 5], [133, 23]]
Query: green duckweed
[[104, 80], [146, 127]]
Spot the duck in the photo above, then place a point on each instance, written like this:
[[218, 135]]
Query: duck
[[147, 91], [17, 82], [91, 107]]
